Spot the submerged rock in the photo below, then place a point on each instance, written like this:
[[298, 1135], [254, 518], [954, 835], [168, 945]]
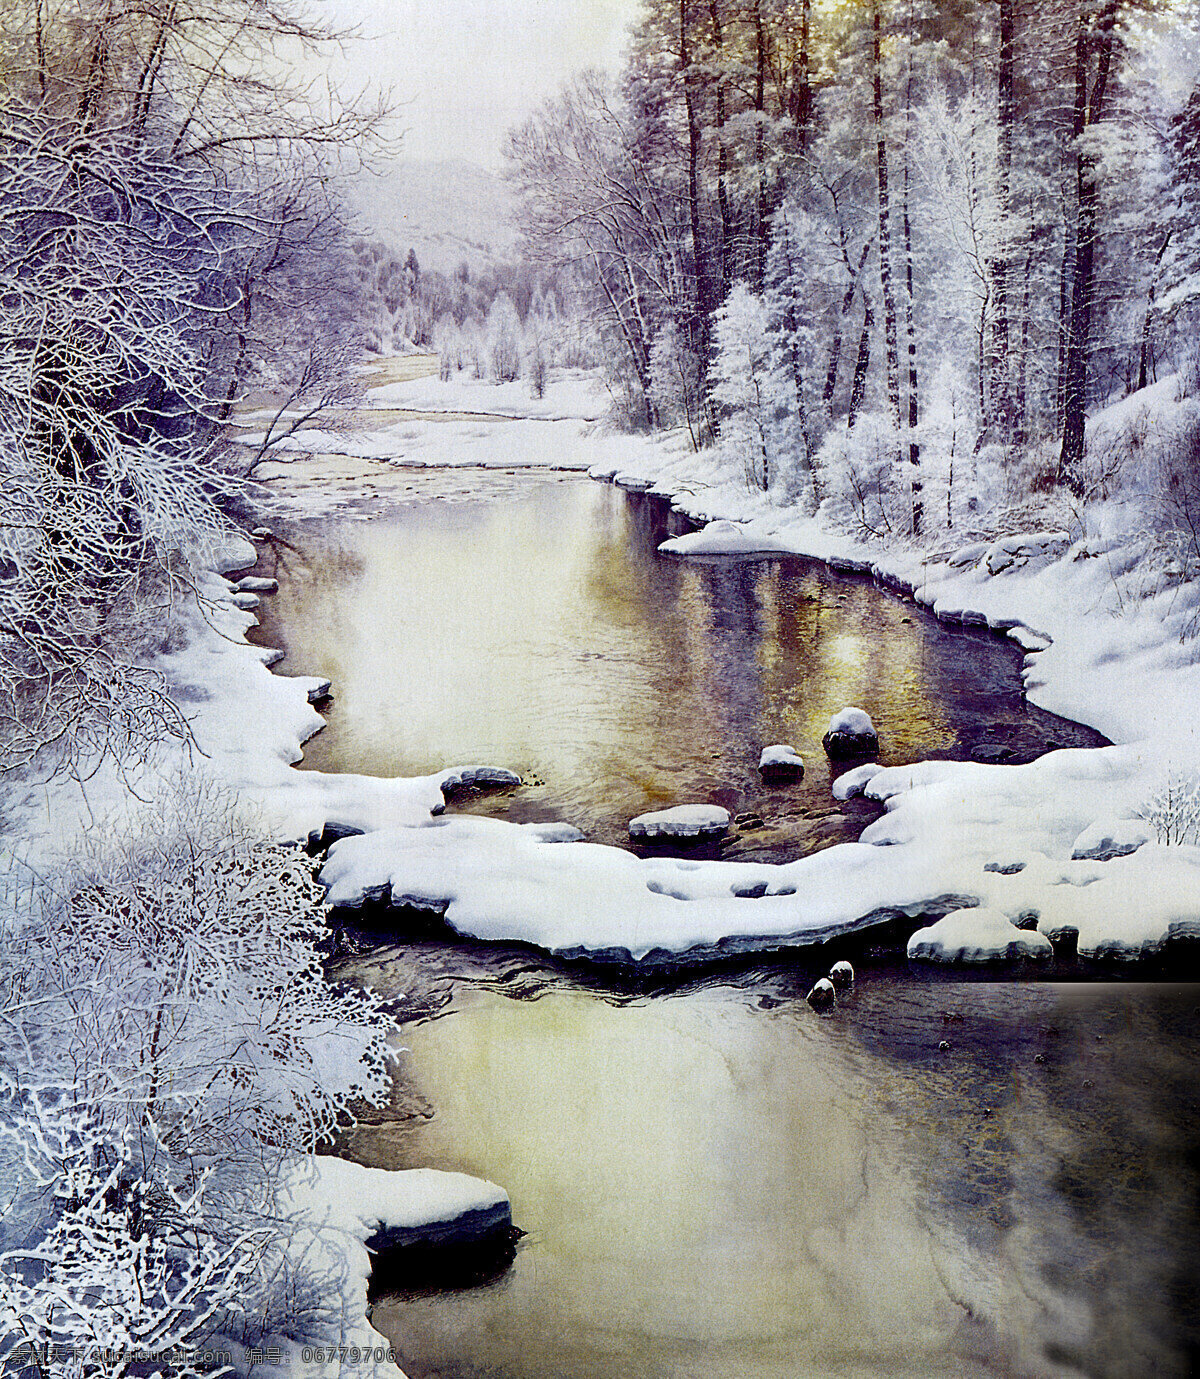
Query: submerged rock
[[851, 734], [684, 821], [482, 777]]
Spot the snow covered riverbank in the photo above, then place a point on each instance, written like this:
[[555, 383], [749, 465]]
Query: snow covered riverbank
[[1012, 840]]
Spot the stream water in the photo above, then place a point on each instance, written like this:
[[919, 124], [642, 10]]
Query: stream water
[[529, 622], [946, 1176]]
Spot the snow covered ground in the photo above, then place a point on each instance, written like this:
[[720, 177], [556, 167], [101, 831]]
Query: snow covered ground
[[1004, 860]]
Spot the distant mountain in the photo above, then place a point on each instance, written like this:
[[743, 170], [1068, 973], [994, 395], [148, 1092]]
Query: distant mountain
[[447, 212]]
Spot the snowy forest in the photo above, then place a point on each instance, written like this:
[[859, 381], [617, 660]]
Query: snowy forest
[[888, 254]]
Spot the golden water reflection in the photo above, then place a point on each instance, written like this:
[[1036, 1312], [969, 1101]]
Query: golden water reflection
[[717, 1185], [541, 630]]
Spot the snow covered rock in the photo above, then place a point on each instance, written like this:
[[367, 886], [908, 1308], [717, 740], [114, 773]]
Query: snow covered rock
[[780, 760], [851, 734], [1109, 838], [317, 688], [977, 935], [1016, 552], [841, 974], [247, 602], [822, 996], [855, 782], [483, 777], [684, 821], [390, 1209], [257, 584]]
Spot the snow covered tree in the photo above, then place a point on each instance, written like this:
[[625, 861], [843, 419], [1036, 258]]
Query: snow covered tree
[[172, 1045], [151, 184], [743, 386]]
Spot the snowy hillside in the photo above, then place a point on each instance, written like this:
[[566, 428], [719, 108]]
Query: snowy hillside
[[448, 212]]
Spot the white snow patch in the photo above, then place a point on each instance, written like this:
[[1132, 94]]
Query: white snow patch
[[722, 538], [977, 935]]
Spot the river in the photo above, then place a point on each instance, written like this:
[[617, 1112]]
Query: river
[[948, 1175]]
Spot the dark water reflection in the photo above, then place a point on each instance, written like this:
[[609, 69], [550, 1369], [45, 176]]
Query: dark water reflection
[[721, 1182], [534, 625]]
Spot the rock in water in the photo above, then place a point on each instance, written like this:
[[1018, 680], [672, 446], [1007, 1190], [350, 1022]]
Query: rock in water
[[841, 974], [851, 734], [696, 821], [781, 762], [822, 996]]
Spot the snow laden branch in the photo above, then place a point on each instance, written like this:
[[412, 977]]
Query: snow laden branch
[[165, 222]]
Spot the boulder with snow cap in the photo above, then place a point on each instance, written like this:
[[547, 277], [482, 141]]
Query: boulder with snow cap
[[685, 821], [780, 762], [851, 734], [1109, 838], [841, 974], [823, 995]]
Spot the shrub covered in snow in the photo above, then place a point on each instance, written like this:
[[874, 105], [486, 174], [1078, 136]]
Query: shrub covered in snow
[[172, 1044], [1173, 811]]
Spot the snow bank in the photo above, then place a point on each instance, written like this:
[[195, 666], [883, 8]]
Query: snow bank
[[335, 1215], [390, 1209], [722, 538], [570, 394], [978, 935]]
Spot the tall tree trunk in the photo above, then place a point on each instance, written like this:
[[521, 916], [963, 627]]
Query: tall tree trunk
[[835, 348], [1089, 110], [887, 291], [914, 411], [1151, 293], [804, 100], [702, 295], [724, 233], [1006, 119], [1021, 406], [154, 61], [858, 388], [762, 227], [40, 45]]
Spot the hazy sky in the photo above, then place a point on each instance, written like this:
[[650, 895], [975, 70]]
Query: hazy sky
[[463, 71]]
